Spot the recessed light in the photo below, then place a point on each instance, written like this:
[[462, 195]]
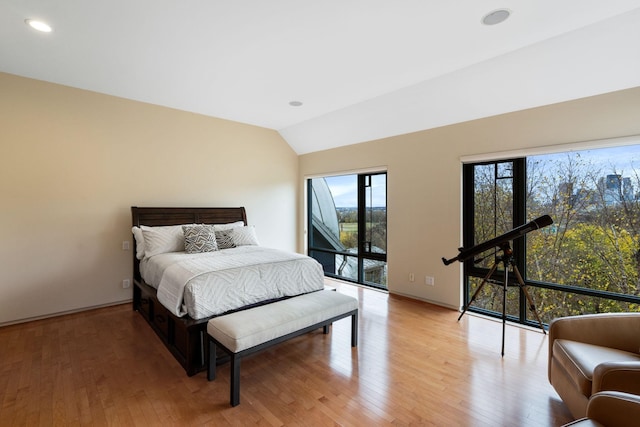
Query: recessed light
[[496, 16], [38, 25], [295, 103]]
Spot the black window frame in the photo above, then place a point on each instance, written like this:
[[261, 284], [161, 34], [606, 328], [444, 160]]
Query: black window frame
[[364, 247], [472, 271]]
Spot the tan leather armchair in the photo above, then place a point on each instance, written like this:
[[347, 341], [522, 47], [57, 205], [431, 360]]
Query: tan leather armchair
[[610, 409], [593, 353]]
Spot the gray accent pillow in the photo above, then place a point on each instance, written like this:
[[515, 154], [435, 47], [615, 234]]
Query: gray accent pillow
[[224, 238], [199, 238]]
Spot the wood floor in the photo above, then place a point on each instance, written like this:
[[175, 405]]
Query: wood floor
[[415, 365]]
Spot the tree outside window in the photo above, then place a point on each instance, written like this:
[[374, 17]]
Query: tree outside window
[[588, 260]]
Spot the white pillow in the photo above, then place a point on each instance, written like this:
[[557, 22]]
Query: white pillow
[[228, 226], [137, 234], [245, 236], [160, 240]]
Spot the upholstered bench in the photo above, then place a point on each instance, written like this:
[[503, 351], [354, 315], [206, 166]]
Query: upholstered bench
[[248, 331]]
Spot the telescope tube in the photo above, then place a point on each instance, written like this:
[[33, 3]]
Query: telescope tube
[[464, 254]]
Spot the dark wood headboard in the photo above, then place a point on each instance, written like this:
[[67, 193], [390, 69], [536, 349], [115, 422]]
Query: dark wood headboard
[[154, 217]]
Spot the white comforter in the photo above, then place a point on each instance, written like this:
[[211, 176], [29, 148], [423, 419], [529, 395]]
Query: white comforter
[[207, 284]]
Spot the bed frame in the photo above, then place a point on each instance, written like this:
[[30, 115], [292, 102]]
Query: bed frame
[[184, 337]]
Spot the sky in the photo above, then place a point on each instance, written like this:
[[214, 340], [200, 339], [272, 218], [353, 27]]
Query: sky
[[344, 189], [623, 159]]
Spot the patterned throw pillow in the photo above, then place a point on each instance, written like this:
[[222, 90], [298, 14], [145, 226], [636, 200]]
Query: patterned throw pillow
[[224, 239], [199, 238]]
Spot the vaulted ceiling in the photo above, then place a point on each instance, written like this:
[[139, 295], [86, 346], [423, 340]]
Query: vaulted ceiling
[[362, 69]]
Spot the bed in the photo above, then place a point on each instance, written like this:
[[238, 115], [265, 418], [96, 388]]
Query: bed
[[178, 290]]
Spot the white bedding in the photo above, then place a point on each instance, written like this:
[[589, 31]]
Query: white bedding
[[211, 283]]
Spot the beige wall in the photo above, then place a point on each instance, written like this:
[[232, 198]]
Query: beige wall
[[424, 178], [73, 162]]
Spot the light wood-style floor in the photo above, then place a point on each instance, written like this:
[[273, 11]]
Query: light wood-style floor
[[415, 365]]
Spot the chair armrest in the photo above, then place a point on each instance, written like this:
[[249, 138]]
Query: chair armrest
[[617, 376], [615, 330], [614, 409]]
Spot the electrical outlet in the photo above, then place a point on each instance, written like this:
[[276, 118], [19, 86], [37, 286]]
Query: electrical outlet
[[126, 283], [429, 280], [125, 245], [412, 278]]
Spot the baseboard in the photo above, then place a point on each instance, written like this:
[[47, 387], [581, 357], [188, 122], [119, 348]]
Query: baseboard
[[438, 303], [62, 313]]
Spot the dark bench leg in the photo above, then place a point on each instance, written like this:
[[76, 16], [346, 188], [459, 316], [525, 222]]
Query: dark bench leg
[[354, 330], [235, 380], [234, 395], [211, 363]]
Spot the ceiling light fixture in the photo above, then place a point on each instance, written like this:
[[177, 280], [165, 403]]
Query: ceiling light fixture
[[38, 25], [295, 103], [496, 17]]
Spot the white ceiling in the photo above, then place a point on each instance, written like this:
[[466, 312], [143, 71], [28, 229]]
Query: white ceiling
[[364, 69]]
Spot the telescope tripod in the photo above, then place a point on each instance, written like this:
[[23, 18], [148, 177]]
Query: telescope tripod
[[508, 262]]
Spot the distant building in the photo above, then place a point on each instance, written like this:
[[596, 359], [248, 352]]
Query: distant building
[[324, 225], [614, 189], [627, 189], [565, 193]]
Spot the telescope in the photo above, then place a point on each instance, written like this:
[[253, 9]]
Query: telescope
[[464, 254]]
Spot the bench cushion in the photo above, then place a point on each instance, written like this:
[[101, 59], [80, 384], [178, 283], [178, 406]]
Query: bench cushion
[[580, 360], [245, 329]]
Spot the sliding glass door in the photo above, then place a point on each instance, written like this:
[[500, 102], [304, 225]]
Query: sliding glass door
[[348, 226]]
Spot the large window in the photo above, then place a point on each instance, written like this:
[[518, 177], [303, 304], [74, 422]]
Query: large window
[[587, 261], [348, 226]]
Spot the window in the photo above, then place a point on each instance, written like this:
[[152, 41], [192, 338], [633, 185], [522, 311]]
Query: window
[[348, 226], [587, 261]]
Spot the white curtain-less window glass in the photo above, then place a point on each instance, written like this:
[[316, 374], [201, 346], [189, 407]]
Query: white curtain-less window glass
[[593, 197], [588, 260], [348, 225]]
